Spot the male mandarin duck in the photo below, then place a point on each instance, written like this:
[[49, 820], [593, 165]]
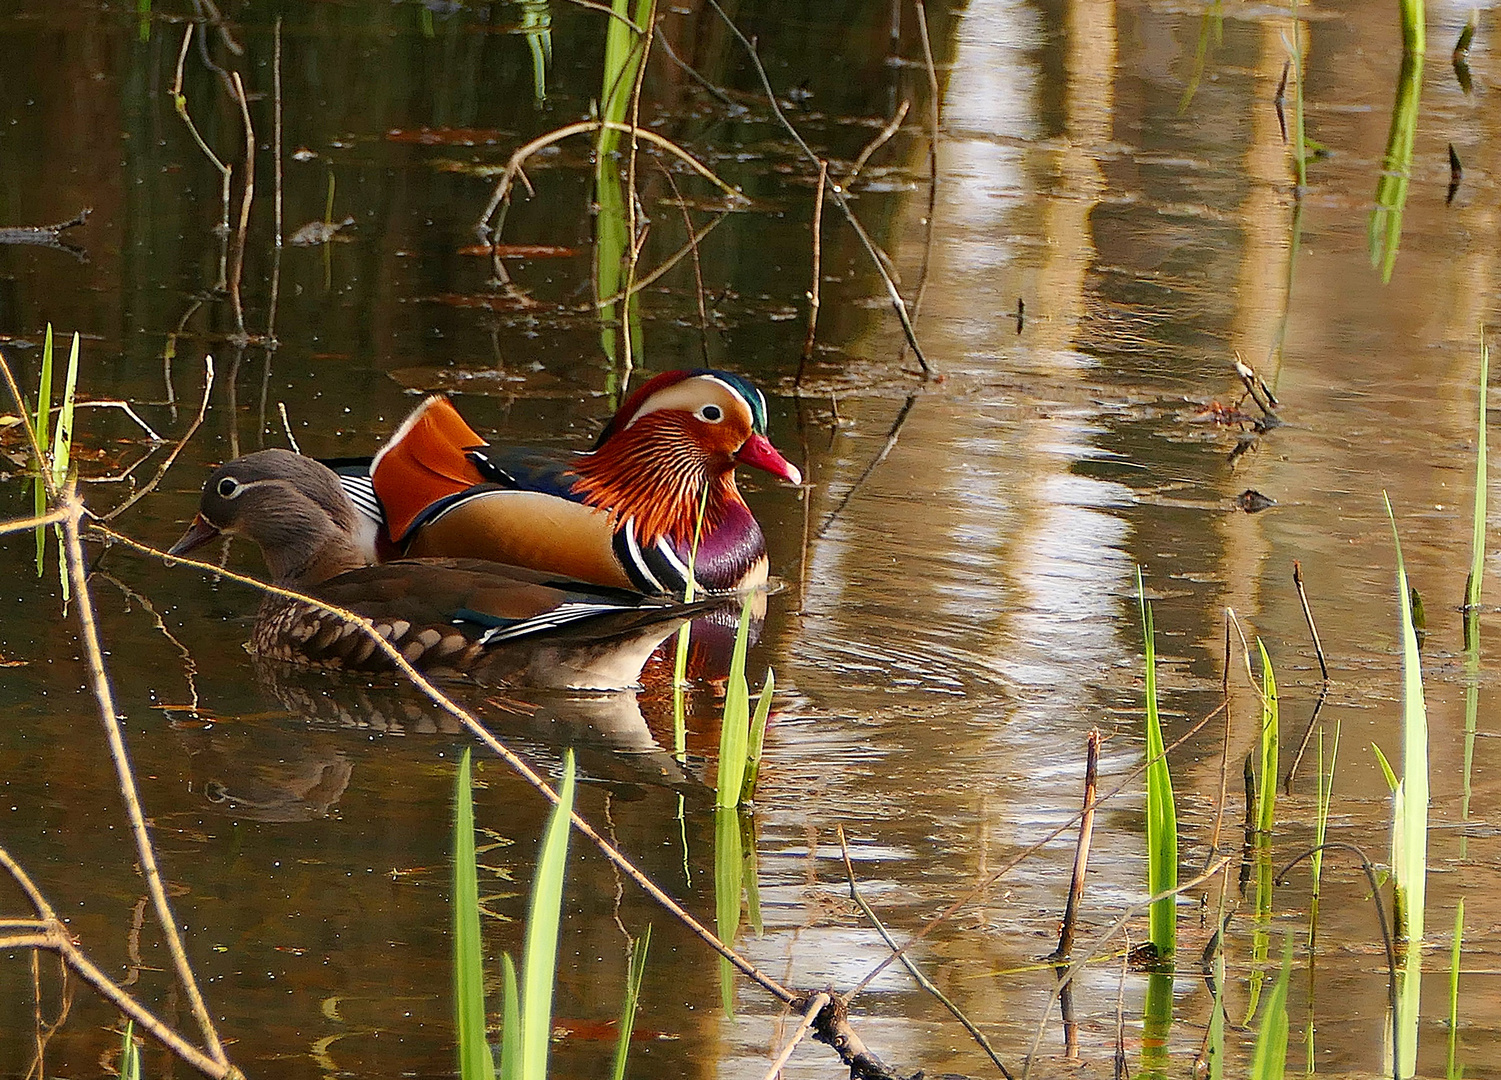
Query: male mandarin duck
[[447, 616], [621, 514]]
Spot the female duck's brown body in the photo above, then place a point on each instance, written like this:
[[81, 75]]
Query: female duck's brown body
[[495, 622]]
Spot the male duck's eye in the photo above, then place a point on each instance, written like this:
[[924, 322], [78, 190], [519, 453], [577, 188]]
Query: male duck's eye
[[229, 487], [712, 414]]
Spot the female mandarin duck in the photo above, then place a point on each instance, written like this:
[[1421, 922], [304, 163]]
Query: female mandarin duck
[[621, 514], [447, 616]]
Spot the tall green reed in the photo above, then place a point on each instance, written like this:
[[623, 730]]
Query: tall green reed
[[1453, 1069], [1162, 819], [1409, 824], [58, 458], [1269, 1060], [476, 1061], [633, 980], [544, 917]]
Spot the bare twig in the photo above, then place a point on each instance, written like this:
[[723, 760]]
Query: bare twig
[[276, 124], [882, 137], [109, 716], [180, 103], [1081, 853], [886, 447], [1313, 631], [150, 486], [810, 1014], [912, 969], [246, 195], [898, 304], [286, 425], [53, 517], [813, 291]]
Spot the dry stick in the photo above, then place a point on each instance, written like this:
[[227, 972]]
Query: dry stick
[[882, 137], [276, 124], [637, 241], [180, 103], [51, 933], [109, 715], [1081, 853], [208, 385], [513, 165], [698, 270], [823, 176], [1104, 939], [53, 517], [933, 123], [1318, 649], [478, 730], [891, 290], [652, 278], [810, 1014], [1313, 719], [245, 197], [912, 969], [286, 425], [1026, 853]]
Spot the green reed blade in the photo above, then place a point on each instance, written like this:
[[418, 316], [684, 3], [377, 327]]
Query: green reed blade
[[1384, 230], [758, 735], [729, 868], [536, 25], [130, 1054], [1217, 1019], [1477, 535], [510, 1021], [1324, 800], [1269, 736], [680, 661], [1410, 823], [1269, 1061], [734, 733], [539, 965], [1456, 948], [1162, 819], [42, 423], [633, 980], [475, 1059], [62, 438]]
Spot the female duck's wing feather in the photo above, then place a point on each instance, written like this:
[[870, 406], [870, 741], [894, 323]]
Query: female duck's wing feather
[[468, 616]]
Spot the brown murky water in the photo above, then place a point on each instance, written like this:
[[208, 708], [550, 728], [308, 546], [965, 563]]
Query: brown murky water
[[957, 621]]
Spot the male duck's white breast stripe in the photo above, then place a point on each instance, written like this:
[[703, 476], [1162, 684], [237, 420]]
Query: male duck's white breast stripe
[[361, 492]]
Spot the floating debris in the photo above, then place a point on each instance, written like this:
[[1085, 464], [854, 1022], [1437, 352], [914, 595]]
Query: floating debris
[[318, 232], [1253, 501], [1456, 171]]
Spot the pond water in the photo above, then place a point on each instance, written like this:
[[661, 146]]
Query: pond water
[[960, 609]]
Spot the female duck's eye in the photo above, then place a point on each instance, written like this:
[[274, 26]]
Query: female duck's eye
[[712, 414], [229, 487]]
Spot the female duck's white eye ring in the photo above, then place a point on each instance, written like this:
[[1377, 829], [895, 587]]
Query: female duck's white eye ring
[[710, 414], [229, 488]]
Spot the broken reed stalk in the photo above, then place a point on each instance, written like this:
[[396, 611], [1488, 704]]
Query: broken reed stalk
[[1016, 860], [1105, 938], [895, 295], [1313, 630], [813, 291], [480, 732], [109, 716], [238, 262], [912, 969], [1081, 853], [810, 1014]]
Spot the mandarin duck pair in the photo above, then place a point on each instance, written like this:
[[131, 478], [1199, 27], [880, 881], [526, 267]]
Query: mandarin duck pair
[[554, 569]]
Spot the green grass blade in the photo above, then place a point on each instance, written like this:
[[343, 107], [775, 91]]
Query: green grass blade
[[1324, 800], [734, 728], [1456, 949], [758, 735], [1384, 229], [1269, 1062], [510, 1021], [539, 966], [729, 866], [1269, 737], [1477, 536], [633, 980], [130, 1054], [1162, 819], [475, 1059], [1386, 768], [62, 438], [42, 424]]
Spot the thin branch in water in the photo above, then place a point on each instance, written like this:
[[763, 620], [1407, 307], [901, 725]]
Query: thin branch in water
[[245, 197], [886, 447], [109, 716], [1313, 719], [1308, 617], [882, 137], [698, 270], [895, 295], [180, 103], [1081, 852], [810, 1014], [276, 128], [286, 425], [813, 290], [208, 385], [912, 969]]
